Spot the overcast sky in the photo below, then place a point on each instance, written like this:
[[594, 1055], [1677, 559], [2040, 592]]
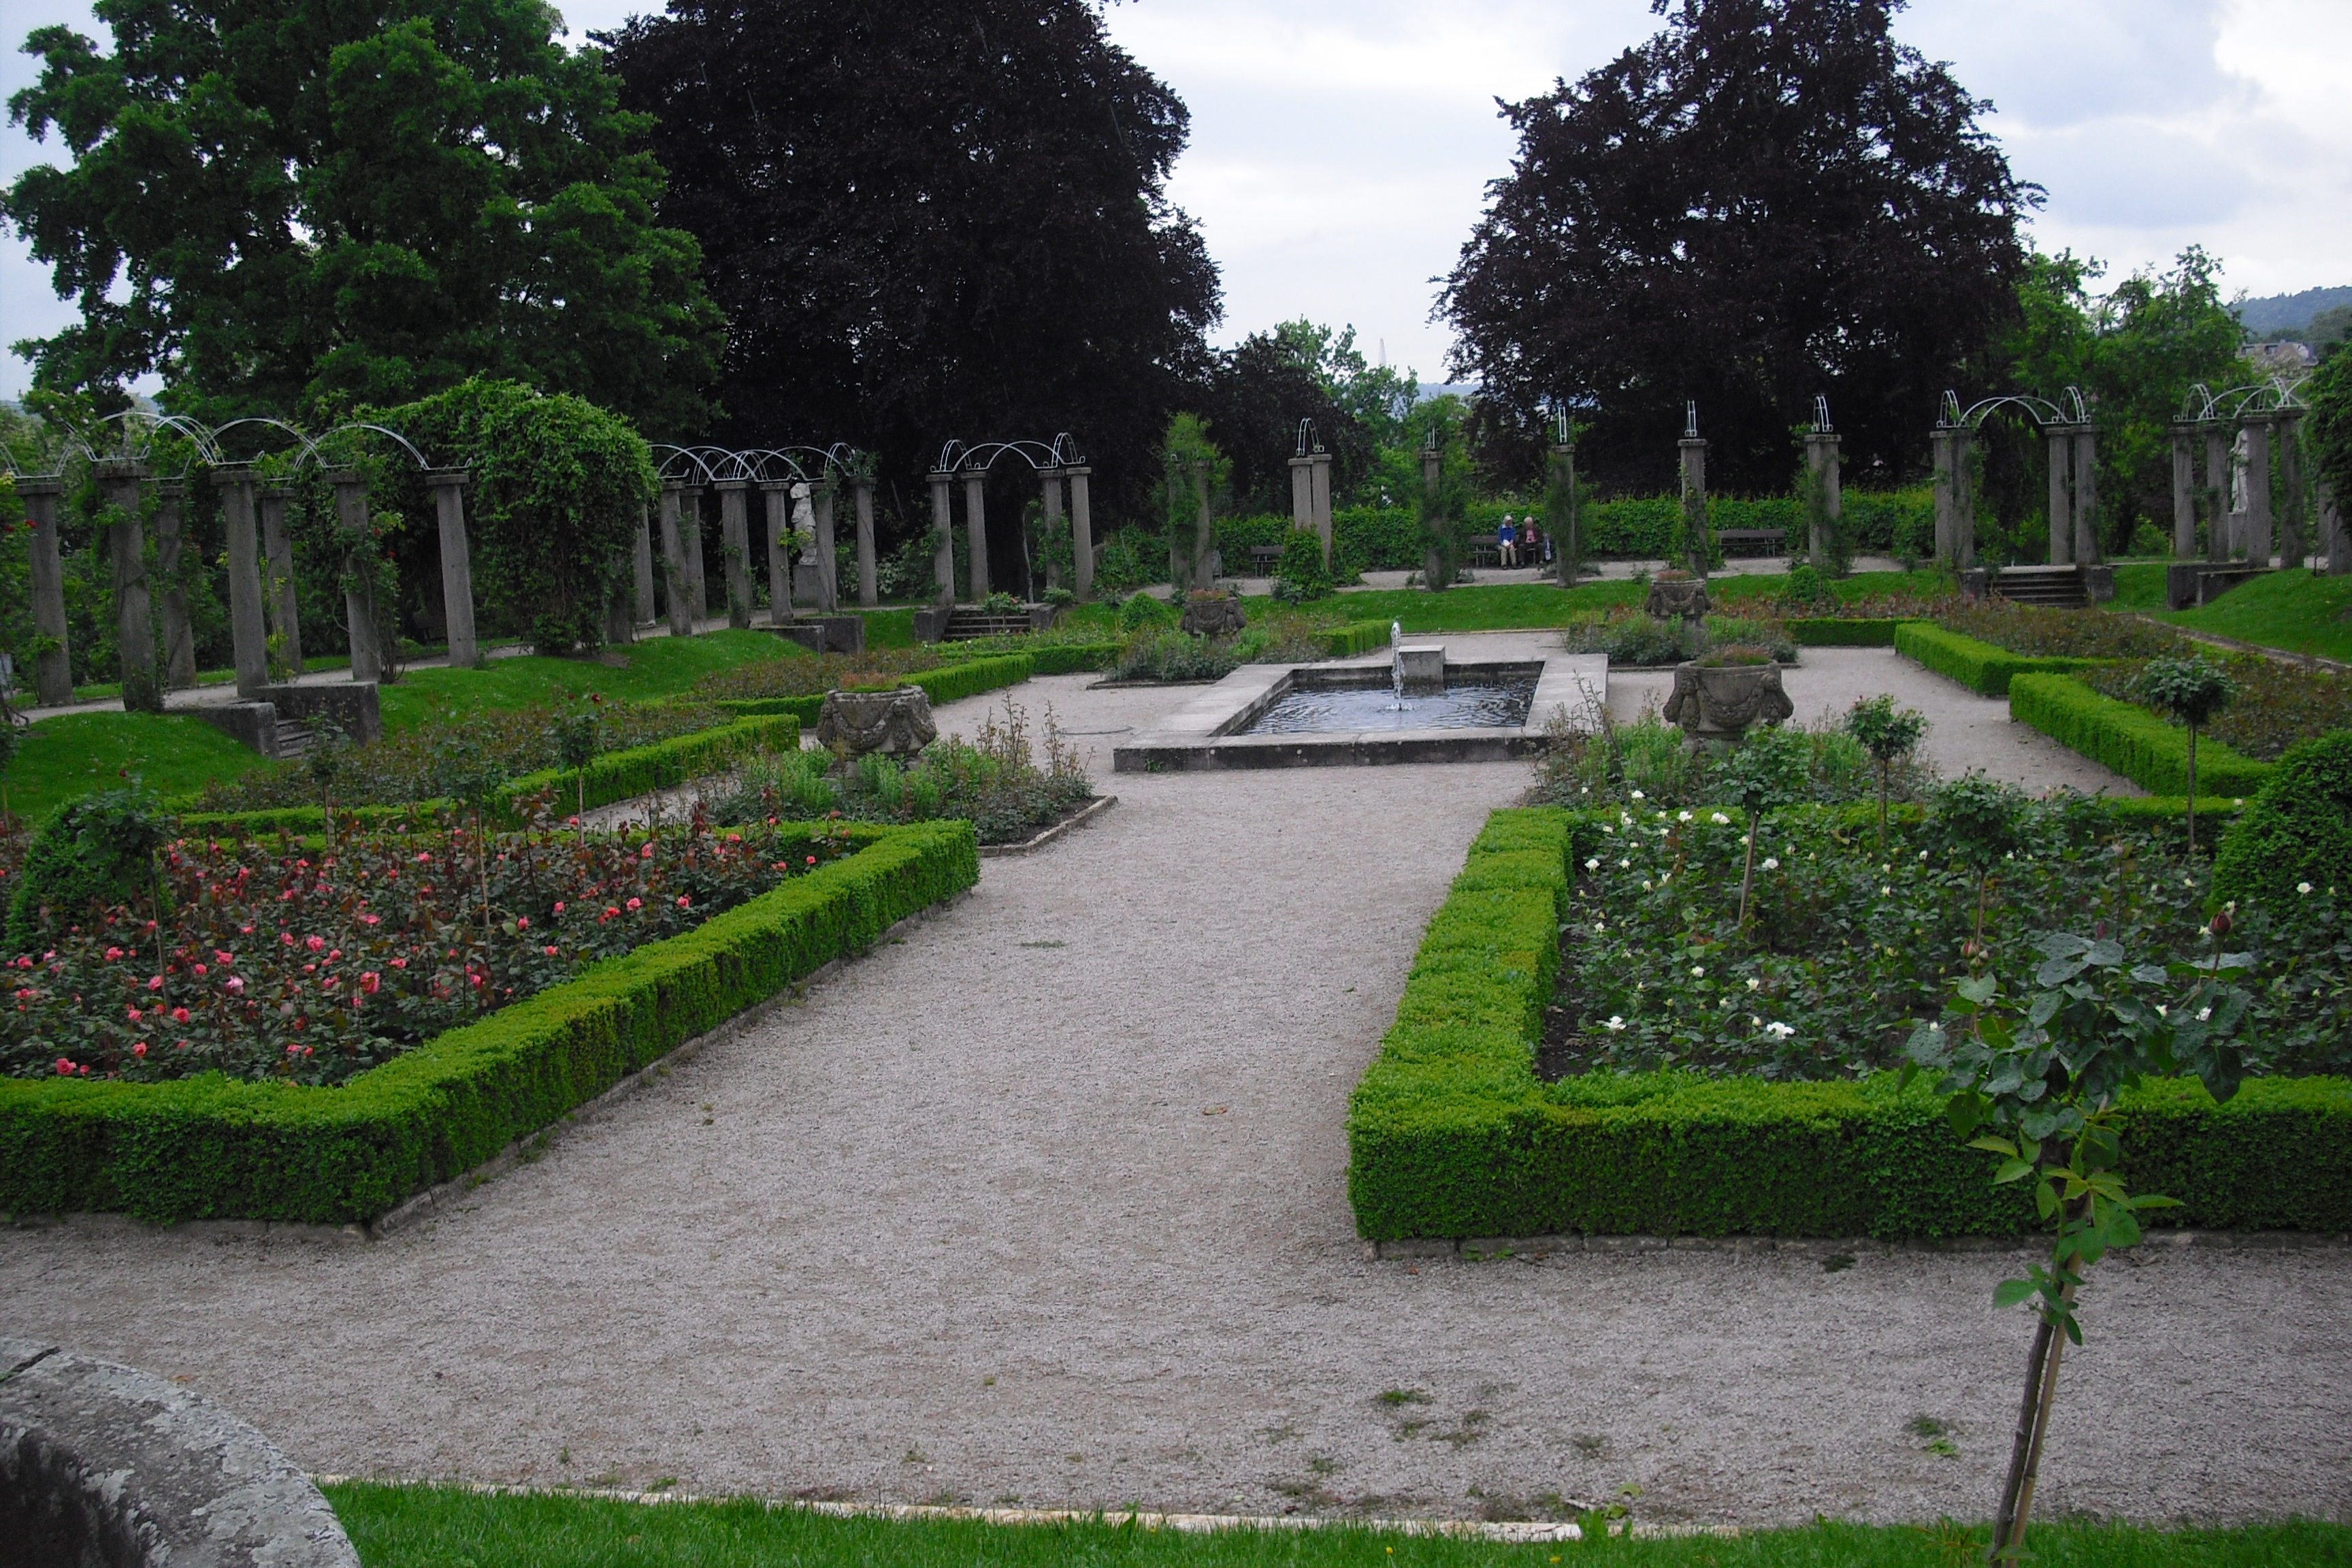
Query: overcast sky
[[1340, 148]]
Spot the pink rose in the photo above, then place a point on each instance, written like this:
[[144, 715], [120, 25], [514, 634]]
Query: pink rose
[[370, 980], [139, 1049], [236, 985]]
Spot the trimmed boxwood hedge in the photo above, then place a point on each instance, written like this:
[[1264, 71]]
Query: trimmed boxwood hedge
[[1452, 1135], [946, 684], [1979, 666], [2128, 738], [1832, 631], [615, 775], [213, 1147], [1355, 637]]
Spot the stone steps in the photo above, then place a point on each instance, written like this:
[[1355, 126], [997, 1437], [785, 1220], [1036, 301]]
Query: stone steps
[[2056, 587]]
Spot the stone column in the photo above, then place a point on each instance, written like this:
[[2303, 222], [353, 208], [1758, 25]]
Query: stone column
[[2258, 489], [1698, 540], [2294, 544], [135, 622], [2086, 496], [778, 496], [1319, 491], [1205, 530], [1822, 473], [642, 561], [1302, 492], [690, 529], [1964, 500], [943, 535], [1945, 441], [1050, 519], [1565, 553], [179, 636], [679, 602], [1082, 529], [448, 488], [248, 633], [2220, 542], [359, 573], [975, 527], [1432, 478], [861, 497], [280, 599], [735, 546], [52, 666], [2060, 439], [828, 568], [2184, 490], [2335, 537]]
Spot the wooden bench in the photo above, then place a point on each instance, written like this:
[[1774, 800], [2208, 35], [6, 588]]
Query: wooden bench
[[1263, 559], [1777, 538]]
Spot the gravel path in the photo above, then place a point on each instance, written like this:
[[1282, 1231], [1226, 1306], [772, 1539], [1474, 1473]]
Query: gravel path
[[1047, 1201]]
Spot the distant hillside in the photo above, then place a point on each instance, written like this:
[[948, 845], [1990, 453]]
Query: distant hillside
[[2276, 311]]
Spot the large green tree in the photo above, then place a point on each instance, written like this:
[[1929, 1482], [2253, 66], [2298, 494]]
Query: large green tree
[[1766, 200], [306, 204], [932, 219]]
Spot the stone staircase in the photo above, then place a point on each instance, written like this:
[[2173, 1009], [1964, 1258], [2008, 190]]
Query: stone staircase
[[2056, 587], [292, 740], [970, 626]]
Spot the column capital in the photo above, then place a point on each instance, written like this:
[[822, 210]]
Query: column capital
[[228, 476], [441, 478], [41, 484], [1074, 471], [724, 485], [119, 468], [773, 486], [343, 478]]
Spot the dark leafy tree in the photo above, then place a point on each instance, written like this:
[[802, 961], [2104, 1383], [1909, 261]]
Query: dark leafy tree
[[1257, 394], [293, 204], [1766, 200], [932, 219]]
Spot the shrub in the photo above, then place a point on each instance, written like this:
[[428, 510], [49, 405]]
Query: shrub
[[1165, 654], [96, 851], [2129, 738], [1982, 667], [2297, 832], [1650, 763], [1142, 610], [1301, 577]]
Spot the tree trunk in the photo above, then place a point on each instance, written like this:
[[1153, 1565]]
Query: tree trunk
[[1748, 872], [1883, 768], [2192, 791]]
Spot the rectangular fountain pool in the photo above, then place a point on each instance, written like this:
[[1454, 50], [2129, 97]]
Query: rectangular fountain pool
[[1337, 710]]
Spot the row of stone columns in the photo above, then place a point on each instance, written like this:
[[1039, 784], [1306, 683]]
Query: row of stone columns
[[262, 594], [2074, 493], [1310, 498], [975, 513], [1955, 503], [680, 529], [2246, 528]]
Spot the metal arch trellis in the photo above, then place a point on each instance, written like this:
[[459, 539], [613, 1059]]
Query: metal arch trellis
[[1062, 452], [2073, 410], [2276, 395]]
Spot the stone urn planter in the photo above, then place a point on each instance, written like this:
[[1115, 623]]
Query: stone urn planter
[[1213, 615], [1718, 701], [1677, 598], [897, 723]]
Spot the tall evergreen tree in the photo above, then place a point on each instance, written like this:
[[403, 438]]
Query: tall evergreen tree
[[931, 219], [313, 204], [1766, 200]]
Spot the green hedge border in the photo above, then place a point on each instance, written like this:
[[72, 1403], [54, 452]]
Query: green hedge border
[[1979, 666], [2129, 738], [615, 775], [948, 683], [214, 1148], [1833, 631], [1452, 1135], [1355, 637]]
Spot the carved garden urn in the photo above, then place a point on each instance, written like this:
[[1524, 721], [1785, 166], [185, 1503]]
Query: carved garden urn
[[897, 723], [1213, 615], [1674, 598], [1718, 701]]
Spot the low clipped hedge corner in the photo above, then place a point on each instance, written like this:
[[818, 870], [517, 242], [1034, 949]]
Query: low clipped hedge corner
[[1355, 637], [948, 683], [1451, 1134], [1073, 657], [1833, 631], [219, 1148], [2129, 738], [1979, 666]]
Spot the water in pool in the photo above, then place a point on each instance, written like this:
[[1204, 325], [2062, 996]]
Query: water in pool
[[1463, 705]]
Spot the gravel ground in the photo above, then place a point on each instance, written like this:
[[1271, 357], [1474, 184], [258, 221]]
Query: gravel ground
[[1046, 1201]]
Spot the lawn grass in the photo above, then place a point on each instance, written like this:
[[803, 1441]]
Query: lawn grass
[[411, 1527], [1506, 606], [2289, 609], [2139, 585], [73, 754], [657, 667]]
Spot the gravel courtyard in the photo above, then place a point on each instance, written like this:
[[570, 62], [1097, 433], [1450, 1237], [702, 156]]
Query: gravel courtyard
[[1046, 1200]]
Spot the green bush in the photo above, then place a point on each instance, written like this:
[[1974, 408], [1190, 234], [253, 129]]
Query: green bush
[[1072, 658], [2297, 828], [1451, 1133], [1355, 637], [99, 846], [1301, 577], [1828, 631], [1979, 666], [215, 1148], [2129, 738], [1142, 610]]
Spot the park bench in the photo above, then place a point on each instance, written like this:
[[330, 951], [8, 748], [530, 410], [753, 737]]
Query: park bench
[[1263, 557], [1775, 537]]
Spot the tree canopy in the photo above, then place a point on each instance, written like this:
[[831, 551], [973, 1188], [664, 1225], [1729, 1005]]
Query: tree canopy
[[303, 203], [940, 219], [1766, 200]]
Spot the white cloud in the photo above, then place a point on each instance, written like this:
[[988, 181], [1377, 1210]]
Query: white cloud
[[1340, 152]]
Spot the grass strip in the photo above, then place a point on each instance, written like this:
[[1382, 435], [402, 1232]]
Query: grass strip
[[414, 1526], [2129, 738], [216, 1148], [656, 667], [73, 754], [2297, 611], [1451, 1134], [1980, 666]]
